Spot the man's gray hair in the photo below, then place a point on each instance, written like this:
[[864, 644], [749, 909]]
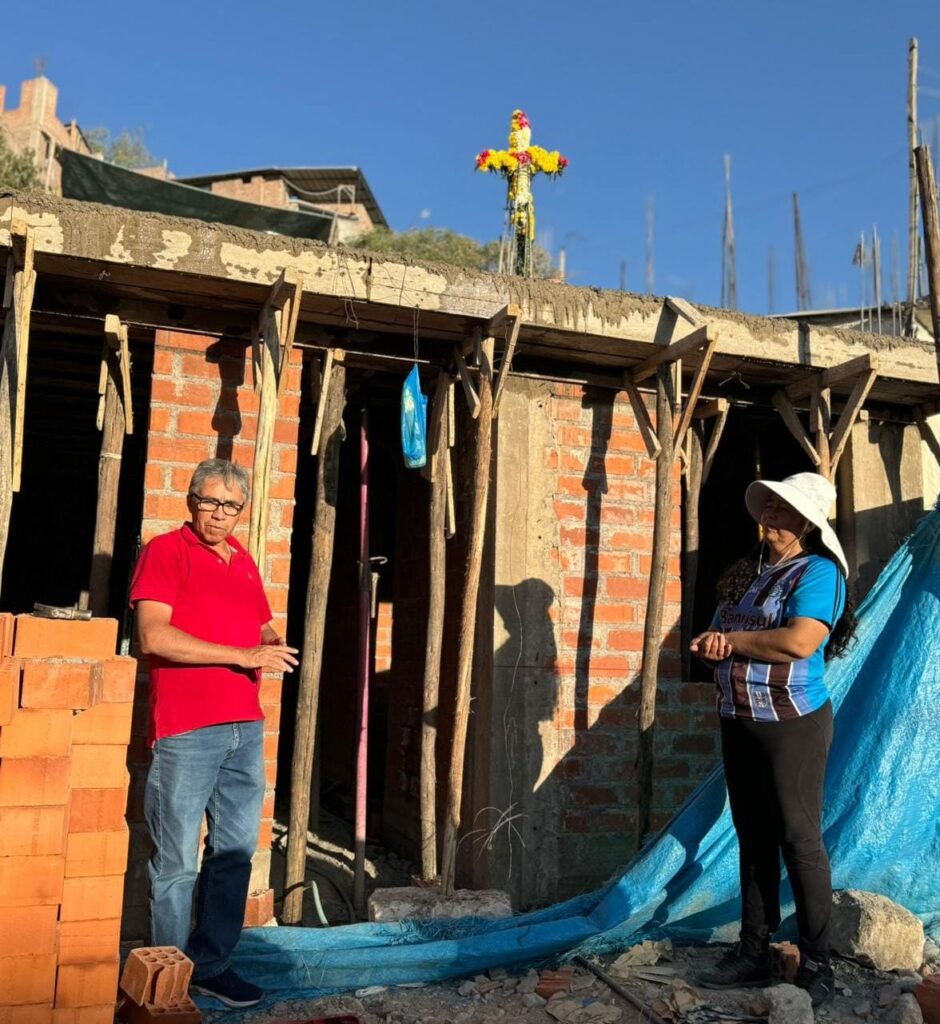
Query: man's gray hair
[[221, 469]]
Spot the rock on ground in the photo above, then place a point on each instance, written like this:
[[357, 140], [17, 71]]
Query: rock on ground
[[903, 1011], [875, 931], [789, 1005]]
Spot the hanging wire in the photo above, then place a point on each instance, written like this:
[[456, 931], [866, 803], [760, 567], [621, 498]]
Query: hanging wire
[[416, 316]]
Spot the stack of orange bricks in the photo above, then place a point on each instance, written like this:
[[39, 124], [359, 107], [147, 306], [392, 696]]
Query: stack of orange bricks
[[156, 985], [65, 717]]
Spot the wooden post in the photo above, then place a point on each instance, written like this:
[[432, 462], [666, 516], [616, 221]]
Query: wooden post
[[468, 614], [690, 538], [437, 547], [115, 419], [308, 695], [928, 200], [19, 286], [912, 255], [653, 627]]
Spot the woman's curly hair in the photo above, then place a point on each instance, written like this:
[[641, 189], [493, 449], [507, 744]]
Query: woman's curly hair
[[734, 582]]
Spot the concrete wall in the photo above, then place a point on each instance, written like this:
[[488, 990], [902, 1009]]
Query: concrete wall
[[203, 406], [881, 495]]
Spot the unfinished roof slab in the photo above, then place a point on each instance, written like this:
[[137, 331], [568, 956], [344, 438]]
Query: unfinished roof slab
[[66, 230]]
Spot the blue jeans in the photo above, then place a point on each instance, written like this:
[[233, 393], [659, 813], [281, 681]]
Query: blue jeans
[[218, 772]]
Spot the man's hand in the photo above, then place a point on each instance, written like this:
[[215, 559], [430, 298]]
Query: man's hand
[[272, 656], [712, 646]]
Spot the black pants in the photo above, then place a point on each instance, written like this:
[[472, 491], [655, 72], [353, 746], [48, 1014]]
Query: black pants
[[775, 773]]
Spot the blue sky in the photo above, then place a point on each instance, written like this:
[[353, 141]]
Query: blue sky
[[644, 99]]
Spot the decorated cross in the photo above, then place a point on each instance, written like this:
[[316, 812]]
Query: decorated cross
[[518, 165]]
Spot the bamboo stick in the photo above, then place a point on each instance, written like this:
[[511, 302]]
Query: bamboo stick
[[468, 616], [318, 581], [928, 198]]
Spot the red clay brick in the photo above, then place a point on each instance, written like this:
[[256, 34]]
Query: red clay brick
[[28, 980], [184, 1011], [97, 810], [84, 942], [71, 684], [259, 908], [33, 733], [37, 1013], [90, 984], [34, 781], [103, 1014], [189, 450], [99, 767], [28, 931], [94, 854], [7, 629], [118, 680], [62, 638], [9, 689], [158, 506], [104, 724], [164, 363], [93, 898], [27, 881], [153, 973], [33, 831]]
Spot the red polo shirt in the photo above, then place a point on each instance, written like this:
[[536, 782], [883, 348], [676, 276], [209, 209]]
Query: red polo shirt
[[214, 601]]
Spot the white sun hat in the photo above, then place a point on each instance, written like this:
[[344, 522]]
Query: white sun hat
[[809, 494]]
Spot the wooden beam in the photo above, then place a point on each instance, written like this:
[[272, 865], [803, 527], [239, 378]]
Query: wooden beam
[[820, 418], [929, 436], [437, 575], [784, 406], [931, 221], [713, 407], [695, 389], [721, 418], [506, 363], [308, 693], [847, 419], [332, 356], [498, 320], [482, 457], [834, 375], [115, 421], [686, 310], [669, 353], [642, 415], [653, 625], [473, 399]]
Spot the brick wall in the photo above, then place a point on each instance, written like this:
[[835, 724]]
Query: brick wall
[[383, 637], [203, 406], [258, 189], [574, 524], [65, 719]]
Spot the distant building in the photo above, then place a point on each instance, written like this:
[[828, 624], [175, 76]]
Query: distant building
[[340, 191], [34, 125], [334, 204], [886, 320]]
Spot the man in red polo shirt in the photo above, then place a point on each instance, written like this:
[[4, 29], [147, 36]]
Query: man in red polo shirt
[[204, 621]]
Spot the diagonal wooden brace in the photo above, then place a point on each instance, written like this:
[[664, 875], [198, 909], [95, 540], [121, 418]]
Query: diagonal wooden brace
[[513, 318], [711, 343], [473, 399], [643, 420]]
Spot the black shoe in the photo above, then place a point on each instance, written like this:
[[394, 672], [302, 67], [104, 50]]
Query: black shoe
[[737, 969], [228, 988], [817, 978]]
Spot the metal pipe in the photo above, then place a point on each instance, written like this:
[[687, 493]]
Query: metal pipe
[[646, 1012], [365, 627]]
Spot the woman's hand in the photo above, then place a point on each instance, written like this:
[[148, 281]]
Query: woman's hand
[[711, 646]]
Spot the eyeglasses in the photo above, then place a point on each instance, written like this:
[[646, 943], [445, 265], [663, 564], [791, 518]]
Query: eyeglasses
[[230, 508]]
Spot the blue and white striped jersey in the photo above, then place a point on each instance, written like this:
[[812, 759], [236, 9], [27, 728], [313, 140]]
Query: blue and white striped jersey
[[809, 586]]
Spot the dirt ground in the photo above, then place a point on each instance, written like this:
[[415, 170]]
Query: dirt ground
[[862, 995]]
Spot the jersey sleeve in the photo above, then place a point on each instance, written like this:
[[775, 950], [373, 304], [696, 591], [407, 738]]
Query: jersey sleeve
[[819, 594], [158, 573]]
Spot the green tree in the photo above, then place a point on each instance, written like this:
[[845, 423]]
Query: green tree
[[127, 149], [442, 245], [17, 170]]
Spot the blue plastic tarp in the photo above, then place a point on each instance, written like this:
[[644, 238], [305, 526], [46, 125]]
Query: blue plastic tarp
[[881, 824]]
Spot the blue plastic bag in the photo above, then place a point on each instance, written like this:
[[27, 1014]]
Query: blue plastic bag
[[414, 421]]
